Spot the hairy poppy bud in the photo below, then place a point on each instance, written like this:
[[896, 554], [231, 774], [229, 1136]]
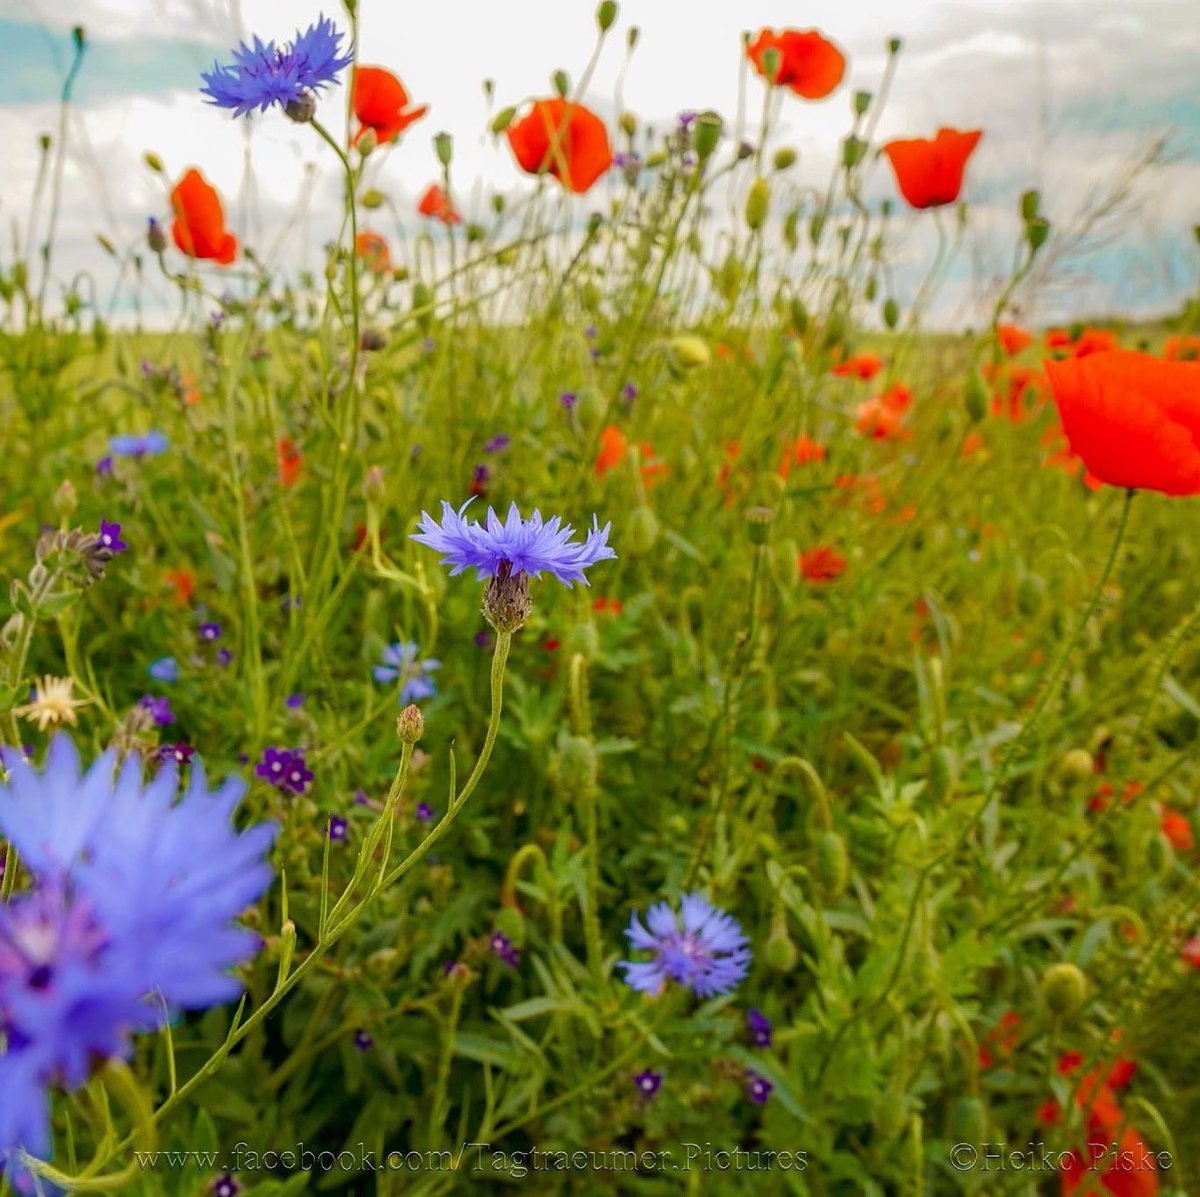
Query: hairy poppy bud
[[891, 312], [641, 535], [606, 15], [894, 44], [832, 865], [631, 38], [854, 150], [1064, 989], [153, 161], [77, 36], [561, 83], [410, 727], [506, 602], [781, 953], [706, 133], [785, 158], [758, 204], [367, 142], [502, 120], [628, 123], [975, 400], [1076, 766], [1036, 232], [576, 767], [759, 521], [943, 772], [443, 146]]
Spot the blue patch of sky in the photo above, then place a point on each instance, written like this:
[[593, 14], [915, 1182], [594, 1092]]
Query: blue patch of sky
[[34, 61]]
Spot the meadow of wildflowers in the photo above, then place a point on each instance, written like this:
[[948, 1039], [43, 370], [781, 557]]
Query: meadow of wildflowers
[[588, 695]]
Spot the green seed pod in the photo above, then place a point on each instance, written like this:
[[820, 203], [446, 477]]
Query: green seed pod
[[832, 864], [781, 953], [759, 521], [1064, 989], [510, 922], [443, 147], [785, 158], [372, 198], [606, 15], [758, 204], [894, 44], [628, 123], [730, 277], [943, 772], [641, 533], [1076, 766], [975, 397], [891, 313], [502, 120], [1036, 232], [1031, 202]]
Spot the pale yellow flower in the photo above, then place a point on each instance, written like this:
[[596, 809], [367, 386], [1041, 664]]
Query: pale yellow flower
[[53, 702]]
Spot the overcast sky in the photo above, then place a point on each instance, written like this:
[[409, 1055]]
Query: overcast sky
[[1067, 91]]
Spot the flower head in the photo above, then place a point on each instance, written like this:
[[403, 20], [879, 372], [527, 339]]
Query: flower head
[[503, 949], [516, 546], [339, 828], [264, 74], [437, 205], [758, 1088], [84, 949], [809, 64], [159, 708], [381, 105], [759, 1026], [648, 1083], [400, 663], [564, 140], [53, 702], [701, 948], [286, 769], [110, 538], [165, 669], [148, 444], [929, 172], [199, 226]]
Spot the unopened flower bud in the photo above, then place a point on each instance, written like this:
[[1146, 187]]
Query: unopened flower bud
[[628, 123], [894, 44], [443, 147], [641, 535], [631, 38], [862, 101], [373, 486], [781, 953], [772, 62], [372, 198], [832, 865], [758, 204], [153, 161], [891, 313], [1036, 232], [367, 142], [1031, 202], [561, 83], [1064, 989], [65, 499], [785, 158], [410, 727], [502, 120], [576, 767], [854, 150], [800, 317], [155, 237], [606, 15]]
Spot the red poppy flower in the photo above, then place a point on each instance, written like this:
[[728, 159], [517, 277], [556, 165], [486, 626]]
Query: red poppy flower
[[929, 173], [435, 204], [182, 584], [1013, 339], [373, 250], [1177, 830], [1020, 383], [862, 365], [1182, 349], [608, 606], [199, 227], [1089, 341], [811, 65], [1132, 418], [803, 451], [882, 417], [563, 140], [290, 460], [821, 565], [381, 104], [613, 444]]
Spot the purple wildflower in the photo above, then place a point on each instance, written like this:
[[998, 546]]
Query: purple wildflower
[[285, 769], [149, 444], [159, 708], [516, 546], [400, 663], [224, 657], [424, 812], [110, 538], [483, 639], [568, 399], [210, 631], [758, 1088], [687, 118], [104, 467], [294, 702], [497, 444], [503, 950], [629, 392], [760, 1028], [165, 669], [479, 478], [263, 74], [363, 1041], [225, 1186], [648, 1083], [176, 754], [339, 828], [701, 948]]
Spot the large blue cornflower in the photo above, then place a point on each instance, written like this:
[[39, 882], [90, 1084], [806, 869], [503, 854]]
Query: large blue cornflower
[[516, 546], [130, 917], [701, 948], [263, 74], [401, 663]]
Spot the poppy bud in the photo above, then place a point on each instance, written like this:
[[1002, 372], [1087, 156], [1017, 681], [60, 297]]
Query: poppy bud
[[631, 38], [1030, 203], [1076, 766], [443, 146], [44, 142], [153, 161], [781, 953], [730, 277], [475, 233], [155, 238], [372, 199], [410, 727], [642, 531], [606, 15], [65, 499], [758, 204], [576, 767], [862, 101], [772, 62], [373, 486], [791, 225], [506, 602], [968, 1121], [502, 120], [498, 204], [894, 44], [785, 158], [706, 133], [77, 37], [891, 313], [1036, 232], [1064, 989], [870, 290], [943, 772], [302, 110], [854, 150], [816, 226], [800, 319], [832, 866], [510, 922], [689, 352], [489, 89], [976, 397], [561, 83], [367, 142]]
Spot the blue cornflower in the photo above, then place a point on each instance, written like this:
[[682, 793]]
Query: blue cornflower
[[516, 546], [400, 664], [148, 444], [92, 952], [165, 669], [264, 74], [701, 948]]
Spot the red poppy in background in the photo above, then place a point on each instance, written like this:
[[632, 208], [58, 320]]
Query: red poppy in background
[[199, 227], [435, 204], [1089, 341], [182, 585], [1177, 829], [1132, 418], [563, 140], [1013, 339], [381, 104], [929, 173], [1018, 383], [862, 365], [290, 461], [1182, 349], [809, 64], [733, 451], [373, 250], [801, 452], [821, 565], [613, 444], [882, 417]]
